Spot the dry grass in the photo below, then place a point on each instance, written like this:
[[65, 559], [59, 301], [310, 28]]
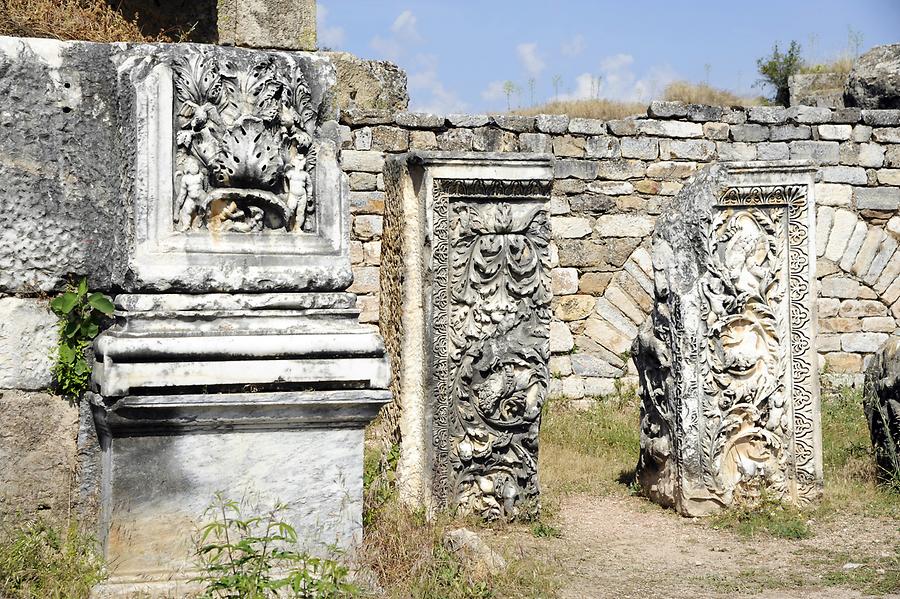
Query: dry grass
[[588, 109], [700, 93], [842, 65], [88, 20]]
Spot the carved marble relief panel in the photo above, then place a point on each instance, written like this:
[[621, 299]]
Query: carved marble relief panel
[[730, 399], [245, 155], [491, 316]]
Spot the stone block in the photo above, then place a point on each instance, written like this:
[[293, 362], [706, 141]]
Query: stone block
[[591, 366], [769, 115], [422, 140], [701, 150], [862, 133], [854, 245], [367, 162], [671, 170], [559, 206], [367, 227], [514, 122], [835, 132], [420, 120], [669, 128], [871, 155], [580, 126], [736, 151], [490, 139], [844, 362], [281, 24], [604, 334], [841, 229], [773, 151], [824, 219], [573, 387], [889, 176], [591, 203], [616, 317], [365, 280], [38, 450], [607, 254], [886, 135], [716, 131], [879, 324], [820, 152], [389, 139], [666, 110], [622, 127], [362, 139], [646, 148], [868, 250], [704, 112], [877, 198], [366, 202], [468, 120], [594, 283], [603, 146], [538, 143], [619, 170], [612, 188], [577, 169], [790, 132], [735, 115], [810, 114], [568, 146], [881, 406], [863, 342], [28, 336], [456, 140], [623, 225], [749, 133], [833, 194], [881, 118], [861, 308], [567, 227], [573, 307], [369, 85], [551, 123], [564, 281], [852, 175], [561, 340], [845, 115], [363, 181], [559, 365]]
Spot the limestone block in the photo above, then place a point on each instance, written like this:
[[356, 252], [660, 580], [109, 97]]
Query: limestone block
[[422, 140], [622, 127], [820, 152], [871, 155], [368, 84], [687, 150], [539, 143], [564, 281], [881, 404], [389, 139], [749, 132], [843, 362], [363, 182], [575, 169], [458, 335], [841, 287], [567, 227], [419, 120], [603, 146], [862, 133], [863, 342], [833, 194], [790, 132], [770, 115], [646, 148], [852, 175], [881, 118], [559, 365], [861, 308], [568, 146], [702, 445], [669, 128], [889, 176], [824, 221], [619, 170], [573, 387], [581, 126], [665, 109], [559, 206], [716, 131], [591, 366], [367, 162], [514, 122], [551, 123], [879, 324], [842, 228], [877, 198], [835, 132], [38, 453], [867, 251], [623, 225], [468, 120], [612, 188], [284, 24], [854, 245], [669, 170], [810, 114], [594, 283], [603, 333], [736, 151], [881, 259], [887, 135], [874, 80], [28, 335], [573, 307], [773, 151], [460, 140], [615, 317], [561, 340]]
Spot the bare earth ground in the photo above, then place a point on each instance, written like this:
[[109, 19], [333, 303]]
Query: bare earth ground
[[614, 546]]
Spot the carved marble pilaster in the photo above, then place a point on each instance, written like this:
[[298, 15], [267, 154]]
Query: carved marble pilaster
[[727, 361], [466, 292]]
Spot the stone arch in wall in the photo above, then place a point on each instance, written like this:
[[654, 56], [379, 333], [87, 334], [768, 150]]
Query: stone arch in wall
[[858, 273]]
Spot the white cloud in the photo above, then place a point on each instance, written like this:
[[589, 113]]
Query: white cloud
[[494, 91], [616, 80], [405, 26], [432, 95], [387, 48], [329, 37], [528, 55], [574, 47]]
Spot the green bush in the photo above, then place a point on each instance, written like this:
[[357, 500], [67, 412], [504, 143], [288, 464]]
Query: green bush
[[80, 314], [256, 557], [777, 68]]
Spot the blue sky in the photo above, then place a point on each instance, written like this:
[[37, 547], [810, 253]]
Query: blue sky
[[458, 53]]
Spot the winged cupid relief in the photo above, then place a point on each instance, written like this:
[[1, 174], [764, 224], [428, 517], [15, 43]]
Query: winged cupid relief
[[245, 154]]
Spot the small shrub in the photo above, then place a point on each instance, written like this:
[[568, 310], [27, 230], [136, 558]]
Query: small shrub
[[777, 69], [543, 530], [80, 315], [39, 561], [255, 557], [763, 515]]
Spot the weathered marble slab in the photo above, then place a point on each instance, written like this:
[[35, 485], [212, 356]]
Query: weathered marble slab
[[727, 362], [466, 305]]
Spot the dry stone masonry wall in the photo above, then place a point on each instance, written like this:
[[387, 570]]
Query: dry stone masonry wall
[[610, 179]]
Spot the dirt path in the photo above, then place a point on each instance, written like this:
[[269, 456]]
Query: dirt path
[[624, 547]]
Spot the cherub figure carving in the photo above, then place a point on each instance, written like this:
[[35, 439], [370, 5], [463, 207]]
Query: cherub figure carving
[[191, 193], [298, 185]]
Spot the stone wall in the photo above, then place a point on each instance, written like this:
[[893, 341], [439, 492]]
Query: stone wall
[[611, 179]]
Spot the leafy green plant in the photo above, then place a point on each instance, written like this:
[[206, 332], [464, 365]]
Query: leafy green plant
[[777, 69], [379, 481], [256, 557], [41, 561], [80, 314], [764, 514], [544, 530]]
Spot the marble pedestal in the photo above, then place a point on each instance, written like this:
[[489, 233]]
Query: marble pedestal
[[261, 397]]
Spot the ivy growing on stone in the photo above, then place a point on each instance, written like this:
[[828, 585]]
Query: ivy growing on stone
[[80, 314]]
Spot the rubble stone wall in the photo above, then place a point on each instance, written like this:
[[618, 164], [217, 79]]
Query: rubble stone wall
[[611, 179]]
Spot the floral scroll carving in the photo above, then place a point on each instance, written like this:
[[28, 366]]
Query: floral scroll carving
[[245, 154], [491, 343], [725, 362]]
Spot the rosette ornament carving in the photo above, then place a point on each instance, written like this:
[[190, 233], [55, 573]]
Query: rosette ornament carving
[[245, 154]]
